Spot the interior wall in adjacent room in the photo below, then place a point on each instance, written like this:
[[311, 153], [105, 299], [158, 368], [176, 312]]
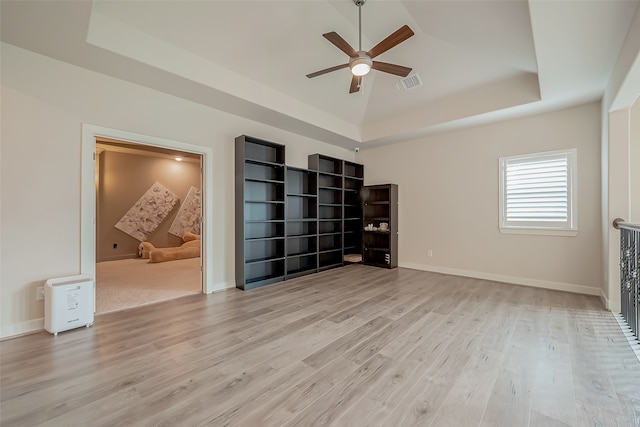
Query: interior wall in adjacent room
[[449, 201], [122, 179]]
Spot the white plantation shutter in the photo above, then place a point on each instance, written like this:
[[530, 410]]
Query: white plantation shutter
[[537, 191]]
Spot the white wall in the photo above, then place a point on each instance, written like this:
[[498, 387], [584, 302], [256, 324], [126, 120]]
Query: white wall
[[44, 103], [618, 201], [634, 164], [448, 192], [621, 92]]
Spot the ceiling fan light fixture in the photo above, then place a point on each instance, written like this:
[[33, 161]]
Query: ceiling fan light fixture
[[360, 65], [360, 61]]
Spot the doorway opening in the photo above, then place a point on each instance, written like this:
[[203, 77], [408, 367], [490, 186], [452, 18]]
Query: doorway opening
[[146, 198], [118, 170]]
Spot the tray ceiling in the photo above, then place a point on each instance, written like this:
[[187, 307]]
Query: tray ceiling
[[478, 60]]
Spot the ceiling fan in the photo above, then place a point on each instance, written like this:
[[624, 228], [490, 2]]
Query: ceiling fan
[[362, 62]]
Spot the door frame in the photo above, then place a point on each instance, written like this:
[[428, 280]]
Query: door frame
[[88, 195]]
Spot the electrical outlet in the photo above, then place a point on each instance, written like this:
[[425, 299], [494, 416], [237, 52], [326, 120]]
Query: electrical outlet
[[115, 246], [40, 294], [429, 253]]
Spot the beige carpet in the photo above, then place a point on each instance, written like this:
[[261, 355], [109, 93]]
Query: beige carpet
[[133, 282]]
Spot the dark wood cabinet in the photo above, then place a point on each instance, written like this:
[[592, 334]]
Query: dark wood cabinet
[[380, 206]]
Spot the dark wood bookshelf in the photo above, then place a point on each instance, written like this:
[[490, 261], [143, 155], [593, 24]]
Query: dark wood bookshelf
[[380, 205], [302, 222], [353, 181], [260, 209], [339, 209], [293, 221]]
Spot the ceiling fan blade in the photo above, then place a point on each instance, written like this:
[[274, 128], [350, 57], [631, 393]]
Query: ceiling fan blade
[[355, 84], [393, 40], [398, 70], [327, 70], [340, 43]]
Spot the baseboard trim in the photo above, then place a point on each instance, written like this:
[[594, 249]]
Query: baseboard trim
[[22, 328], [604, 300], [544, 284], [222, 286], [36, 325]]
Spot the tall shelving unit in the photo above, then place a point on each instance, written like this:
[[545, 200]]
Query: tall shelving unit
[[330, 209], [260, 200], [301, 222], [353, 180], [292, 221], [380, 204]]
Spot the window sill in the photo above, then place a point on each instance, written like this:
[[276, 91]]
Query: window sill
[[538, 231]]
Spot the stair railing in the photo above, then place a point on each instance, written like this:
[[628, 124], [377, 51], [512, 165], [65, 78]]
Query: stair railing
[[629, 273]]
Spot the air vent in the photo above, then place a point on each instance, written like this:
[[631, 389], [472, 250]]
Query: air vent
[[411, 82]]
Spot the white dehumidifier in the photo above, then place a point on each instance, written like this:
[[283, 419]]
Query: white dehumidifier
[[68, 303]]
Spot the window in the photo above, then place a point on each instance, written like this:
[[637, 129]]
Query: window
[[538, 193]]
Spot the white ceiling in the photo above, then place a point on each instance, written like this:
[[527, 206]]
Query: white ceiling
[[478, 60]]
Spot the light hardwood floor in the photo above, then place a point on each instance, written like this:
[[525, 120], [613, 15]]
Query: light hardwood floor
[[354, 346]]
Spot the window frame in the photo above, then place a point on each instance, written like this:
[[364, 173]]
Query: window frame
[[567, 228]]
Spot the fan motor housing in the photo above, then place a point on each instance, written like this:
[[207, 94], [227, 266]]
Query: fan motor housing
[[362, 58]]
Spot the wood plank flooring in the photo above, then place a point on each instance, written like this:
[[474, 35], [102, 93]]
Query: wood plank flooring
[[354, 346]]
